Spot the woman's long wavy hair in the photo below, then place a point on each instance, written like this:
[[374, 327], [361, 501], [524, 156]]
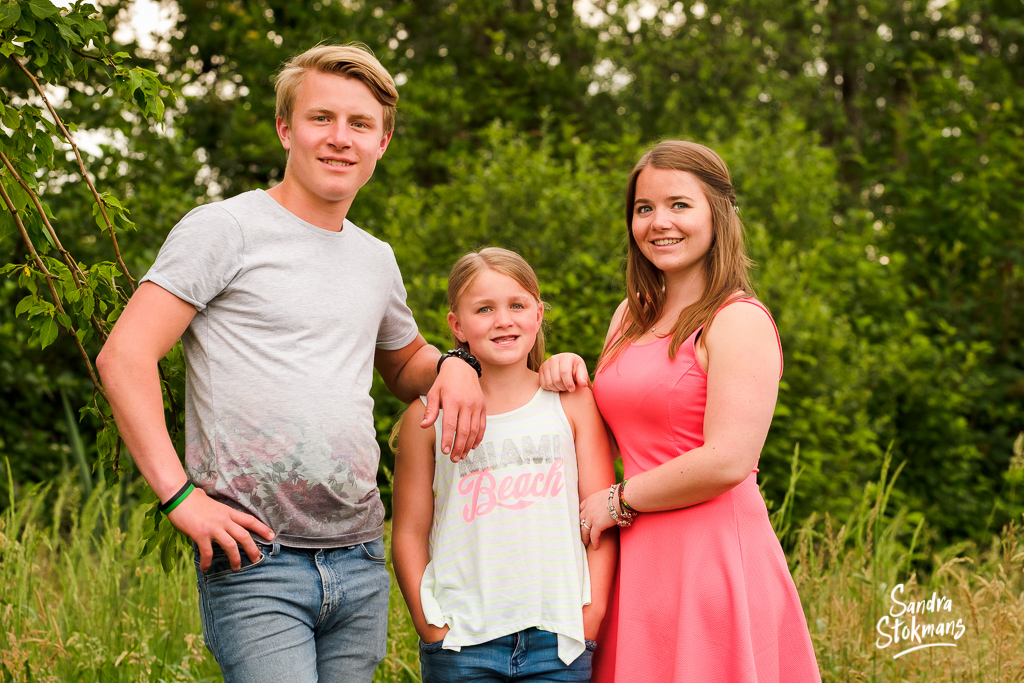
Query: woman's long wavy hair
[[506, 262], [726, 266]]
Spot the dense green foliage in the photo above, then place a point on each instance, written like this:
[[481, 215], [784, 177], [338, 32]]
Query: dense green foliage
[[875, 148]]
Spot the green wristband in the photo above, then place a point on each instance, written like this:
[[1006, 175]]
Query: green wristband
[[176, 501]]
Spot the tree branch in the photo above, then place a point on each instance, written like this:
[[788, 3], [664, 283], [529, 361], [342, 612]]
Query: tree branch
[[53, 290], [76, 272], [81, 165], [89, 56], [72, 266]]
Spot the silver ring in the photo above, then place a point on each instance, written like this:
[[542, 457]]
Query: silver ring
[[583, 522]]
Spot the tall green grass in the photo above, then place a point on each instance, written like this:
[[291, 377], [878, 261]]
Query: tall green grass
[[846, 571], [78, 604]]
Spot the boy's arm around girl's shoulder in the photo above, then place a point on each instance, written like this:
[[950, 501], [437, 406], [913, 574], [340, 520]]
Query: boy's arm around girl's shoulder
[[413, 513], [594, 460]]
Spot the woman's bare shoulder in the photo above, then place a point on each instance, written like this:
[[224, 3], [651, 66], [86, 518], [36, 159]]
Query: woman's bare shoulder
[[617, 317]]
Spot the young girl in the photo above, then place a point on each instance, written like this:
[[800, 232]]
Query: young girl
[[487, 550]]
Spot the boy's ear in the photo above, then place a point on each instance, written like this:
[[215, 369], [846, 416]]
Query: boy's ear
[[384, 144], [284, 131], [453, 322]]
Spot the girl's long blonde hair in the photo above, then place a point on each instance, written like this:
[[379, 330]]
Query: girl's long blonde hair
[[507, 263], [726, 266]]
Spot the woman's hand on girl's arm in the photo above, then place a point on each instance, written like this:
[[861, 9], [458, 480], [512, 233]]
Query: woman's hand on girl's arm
[[563, 372], [594, 511], [413, 514]]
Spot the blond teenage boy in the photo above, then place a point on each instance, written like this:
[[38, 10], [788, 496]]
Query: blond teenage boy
[[284, 308]]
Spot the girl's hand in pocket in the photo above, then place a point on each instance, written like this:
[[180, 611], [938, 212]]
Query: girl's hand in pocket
[[432, 634], [592, 617]]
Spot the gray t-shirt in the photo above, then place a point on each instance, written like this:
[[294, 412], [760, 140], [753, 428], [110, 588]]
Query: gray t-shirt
[[279, 357]]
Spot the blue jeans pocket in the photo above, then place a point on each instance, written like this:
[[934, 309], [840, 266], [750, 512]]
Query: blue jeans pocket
[[374, 550], [220, 565], [430, 648]]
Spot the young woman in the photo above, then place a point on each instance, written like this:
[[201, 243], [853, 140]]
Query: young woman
[[687, 384], [487, 550]]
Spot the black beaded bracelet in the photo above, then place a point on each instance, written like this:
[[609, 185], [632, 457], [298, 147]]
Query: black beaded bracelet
[[464, 355], [175, 500]]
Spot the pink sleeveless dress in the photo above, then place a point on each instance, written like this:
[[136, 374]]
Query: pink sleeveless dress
[[703, 594]]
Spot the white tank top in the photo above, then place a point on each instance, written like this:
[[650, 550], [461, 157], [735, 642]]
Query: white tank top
[[505, 546]]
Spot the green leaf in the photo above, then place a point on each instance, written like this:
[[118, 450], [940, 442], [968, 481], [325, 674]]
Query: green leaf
[[27, 24], [45, 143], [9, 13], [24, 305], [47, 332], [7, 225], [40, 307], [154, 540], [68, 34], [11, 118], [92, 28], [42, 8], [105, 442], [169, 553], [100, 223], [34, 224]]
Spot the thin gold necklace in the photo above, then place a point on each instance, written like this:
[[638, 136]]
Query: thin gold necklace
[[660, 325], [654, 328]]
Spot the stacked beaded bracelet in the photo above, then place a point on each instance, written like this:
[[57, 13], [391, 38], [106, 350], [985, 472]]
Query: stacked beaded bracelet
[[175, 500], [626, 518], [622, 499]]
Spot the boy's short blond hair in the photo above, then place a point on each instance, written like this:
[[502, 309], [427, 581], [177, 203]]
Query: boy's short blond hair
[[351, 61]]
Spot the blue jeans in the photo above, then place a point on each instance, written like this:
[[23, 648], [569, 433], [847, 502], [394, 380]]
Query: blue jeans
[[530, 655], [297, 615]]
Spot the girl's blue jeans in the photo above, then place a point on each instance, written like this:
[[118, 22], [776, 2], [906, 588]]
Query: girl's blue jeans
[[297, 615], [530, 655]]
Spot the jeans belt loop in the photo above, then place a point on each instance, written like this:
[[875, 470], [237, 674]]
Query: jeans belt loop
[[275, 549]]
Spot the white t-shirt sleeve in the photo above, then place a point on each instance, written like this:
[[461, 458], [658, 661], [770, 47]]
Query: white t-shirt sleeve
[[397, 327], [200, 257]]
